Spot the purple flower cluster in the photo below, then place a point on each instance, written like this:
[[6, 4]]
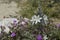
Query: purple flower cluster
[[39, 37], [13, 34]]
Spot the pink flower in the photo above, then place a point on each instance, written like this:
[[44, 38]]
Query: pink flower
[[23, 23]]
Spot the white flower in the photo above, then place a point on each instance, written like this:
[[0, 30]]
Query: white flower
[[36, 19], [45, 37], [45, 19], [6, 30], [8, 21]]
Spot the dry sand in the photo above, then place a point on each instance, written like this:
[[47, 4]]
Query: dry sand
[[8, 9]]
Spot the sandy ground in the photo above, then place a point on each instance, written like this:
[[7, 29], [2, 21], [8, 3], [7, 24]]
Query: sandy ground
[[8, 9], [55, 20]]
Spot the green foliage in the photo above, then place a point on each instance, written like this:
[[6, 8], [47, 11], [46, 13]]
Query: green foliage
[[29, 8], [49, 7], [27, 12]]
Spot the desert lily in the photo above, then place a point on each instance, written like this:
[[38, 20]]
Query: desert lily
[[35, 19]]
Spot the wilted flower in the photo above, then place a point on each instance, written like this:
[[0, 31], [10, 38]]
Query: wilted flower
[[1, 35], [35, 19], [13, 34], [39, 37]]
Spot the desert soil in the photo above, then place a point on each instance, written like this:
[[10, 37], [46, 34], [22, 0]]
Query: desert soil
[[8, 9]]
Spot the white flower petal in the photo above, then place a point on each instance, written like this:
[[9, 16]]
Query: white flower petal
[[45, 37], [6, 30], [36, 19]]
